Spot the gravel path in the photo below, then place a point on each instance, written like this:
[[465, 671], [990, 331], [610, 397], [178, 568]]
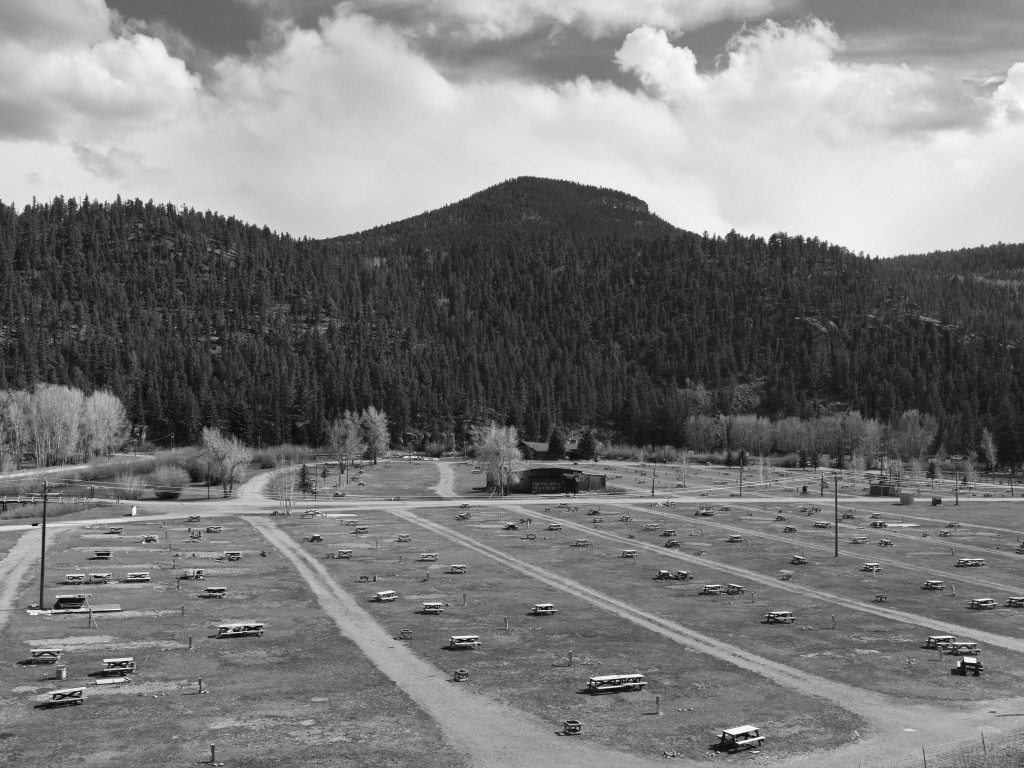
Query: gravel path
[[490, 734], [13, 569], [445, 487]]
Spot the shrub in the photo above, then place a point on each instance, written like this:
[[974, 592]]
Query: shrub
[[131, 486], [167, 481]]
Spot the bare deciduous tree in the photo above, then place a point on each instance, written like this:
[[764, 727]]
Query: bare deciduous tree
[[104, 423], [284, 487], [345, 439], [497, 449], [988, 449], [55, 414], [375, 432], [14, 426], [229, 453]]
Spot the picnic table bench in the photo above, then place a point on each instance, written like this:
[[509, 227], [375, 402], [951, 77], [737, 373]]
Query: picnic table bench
[[150, 538], [121, 666], [798, 560], [46, 655], [240, 629], [735, 589], [100, 578], [316, 538], [404, 537], [66, 696], [571, 727], [213, 529], [139, 577], [75, 578], [194, 519], [1015, 602], [196, 534], [215, 592], [779, 617], [232, 557], [789, 529], [711, 589], [881, 597], [433, 608], [743, 737], [116, 530], [102, 554], [341, 554]]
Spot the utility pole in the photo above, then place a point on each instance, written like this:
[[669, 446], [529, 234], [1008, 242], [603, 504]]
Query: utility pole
[[655, 478], [742, 462], [42, 554], [835, 478]]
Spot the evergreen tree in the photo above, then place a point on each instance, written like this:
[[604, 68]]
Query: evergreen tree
[[556, 445], [305, 483], [587, 446]]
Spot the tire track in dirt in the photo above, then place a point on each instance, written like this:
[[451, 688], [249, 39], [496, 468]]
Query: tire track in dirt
[[899, 727], [943, 627], [491, 734]]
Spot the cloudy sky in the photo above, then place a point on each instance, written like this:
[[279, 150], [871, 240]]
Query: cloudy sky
[[887, 126]]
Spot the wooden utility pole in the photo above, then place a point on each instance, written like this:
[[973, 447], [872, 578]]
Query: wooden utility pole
[[42, 554]]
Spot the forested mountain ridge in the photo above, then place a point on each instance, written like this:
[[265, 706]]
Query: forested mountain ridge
[[535, 302]]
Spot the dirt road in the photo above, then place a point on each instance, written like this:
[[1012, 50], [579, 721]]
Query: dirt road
[[898, 728], [491, 734], [445, 487], [15, 567]]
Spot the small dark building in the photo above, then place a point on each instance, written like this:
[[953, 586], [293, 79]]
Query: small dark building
[[885, 488], [555, 480]]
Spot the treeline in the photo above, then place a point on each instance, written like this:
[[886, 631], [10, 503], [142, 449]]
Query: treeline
[[57, 424], [534, 303]]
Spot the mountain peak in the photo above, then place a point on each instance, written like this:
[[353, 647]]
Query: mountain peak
[[534, 203]]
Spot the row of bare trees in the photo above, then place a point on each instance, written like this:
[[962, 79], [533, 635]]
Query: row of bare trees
[[58, 423], [355, 435], [910, 436]]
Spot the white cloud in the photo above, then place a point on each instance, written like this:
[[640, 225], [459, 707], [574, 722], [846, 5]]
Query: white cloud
[[67, 72], [787, 80], [508, 18], [345, 127]]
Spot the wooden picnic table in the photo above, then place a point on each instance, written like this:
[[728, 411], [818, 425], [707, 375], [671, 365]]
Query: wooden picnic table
[[67, 696]]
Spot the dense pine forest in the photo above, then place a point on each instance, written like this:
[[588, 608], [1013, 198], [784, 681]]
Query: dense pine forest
[[535, 302]]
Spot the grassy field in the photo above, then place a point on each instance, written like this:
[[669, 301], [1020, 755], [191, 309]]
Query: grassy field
[[298, 694], [303, 693]]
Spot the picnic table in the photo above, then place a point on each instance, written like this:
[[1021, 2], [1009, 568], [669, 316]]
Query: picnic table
[[67, 696], [120, 666], [47, 655], [571, 727]]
